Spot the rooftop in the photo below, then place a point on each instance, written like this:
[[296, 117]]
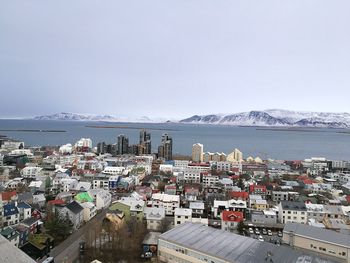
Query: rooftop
[[233, 248], [317, 233], [290, 205], [9, 253]]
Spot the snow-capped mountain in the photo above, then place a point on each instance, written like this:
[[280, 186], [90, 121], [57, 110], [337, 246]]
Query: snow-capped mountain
[[67, 116], [276, 117]]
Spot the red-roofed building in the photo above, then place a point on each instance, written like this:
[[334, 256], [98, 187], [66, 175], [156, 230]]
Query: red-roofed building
[[56, 202], [348, 198], [257, 190], [239, 195], [9, 196], [230, 219]]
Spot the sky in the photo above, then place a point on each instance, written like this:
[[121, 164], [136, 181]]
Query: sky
[[173, 59]]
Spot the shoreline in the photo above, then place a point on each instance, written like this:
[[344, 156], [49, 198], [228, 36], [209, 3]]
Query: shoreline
[[30, 130], [127, 127]]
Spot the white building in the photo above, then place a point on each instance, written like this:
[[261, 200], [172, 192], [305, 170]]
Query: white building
[[169, 202], [66, 149], [182, 215], [84, 143], [114, 170], [166, 168], [31, 171], [294, 212], [89, 211], [154, 217], [209, 180], [101, 197], [68, 184]]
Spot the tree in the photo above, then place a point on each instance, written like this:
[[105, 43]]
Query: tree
[[56, 226], [240, 227]]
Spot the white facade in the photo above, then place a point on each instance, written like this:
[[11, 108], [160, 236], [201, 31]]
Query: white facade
[[154, 217], [113, 170], [292, 214], [182, 215], [90, 210], [209, 180], [101, 197], [169, 202]]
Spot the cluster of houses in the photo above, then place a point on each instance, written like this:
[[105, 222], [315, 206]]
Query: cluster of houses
[[76, 183]]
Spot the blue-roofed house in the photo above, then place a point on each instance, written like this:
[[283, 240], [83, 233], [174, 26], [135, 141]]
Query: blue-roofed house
[[11, 215], [25, 211]]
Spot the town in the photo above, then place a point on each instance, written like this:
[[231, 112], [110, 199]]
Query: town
[[124, 203]]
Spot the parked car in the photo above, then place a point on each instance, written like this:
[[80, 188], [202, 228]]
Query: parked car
[[257, 232], [269, 232], [264, 232], [279, 234], [251, 232], [260, 238]]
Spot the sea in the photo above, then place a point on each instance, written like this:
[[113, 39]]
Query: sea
[[274, 143]]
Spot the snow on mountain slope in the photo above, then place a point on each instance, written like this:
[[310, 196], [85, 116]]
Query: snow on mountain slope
[[276, 117]]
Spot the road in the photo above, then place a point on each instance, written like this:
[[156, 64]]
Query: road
[[68, 250]]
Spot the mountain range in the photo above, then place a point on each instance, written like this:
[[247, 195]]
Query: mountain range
[[68, 116], [266, 118], [275, 117]]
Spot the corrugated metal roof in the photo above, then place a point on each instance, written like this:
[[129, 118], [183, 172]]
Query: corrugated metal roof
[[234, 248], [317, 233]]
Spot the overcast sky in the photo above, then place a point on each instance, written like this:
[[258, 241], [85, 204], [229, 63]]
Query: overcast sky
[[173, 59]]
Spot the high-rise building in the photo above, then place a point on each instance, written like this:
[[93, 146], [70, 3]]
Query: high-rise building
[[134, 149], [197, 152], [165, 150], [235, 156], [145, 143], [101, 148], [123, 144]]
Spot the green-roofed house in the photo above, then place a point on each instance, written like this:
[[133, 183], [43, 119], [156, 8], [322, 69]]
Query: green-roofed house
[[130, 206], [39, 245], [11, 235], [83, 197]]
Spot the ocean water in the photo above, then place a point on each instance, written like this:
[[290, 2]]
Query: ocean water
[[252, 141]]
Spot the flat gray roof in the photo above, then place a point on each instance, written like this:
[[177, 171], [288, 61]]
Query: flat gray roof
[[10, 254], [317, 233], [234, 248]]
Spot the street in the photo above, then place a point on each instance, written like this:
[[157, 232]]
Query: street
[[68, 250]]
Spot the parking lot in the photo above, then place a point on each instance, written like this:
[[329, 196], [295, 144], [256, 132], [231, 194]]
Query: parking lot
[[273, 237]]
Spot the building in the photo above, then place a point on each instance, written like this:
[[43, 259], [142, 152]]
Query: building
[[266, 217], [235, 156], [195, 243], [11, 215], [294, 212], [89, 211], [10, 253], [182, 215], [154, 217], [318, 240], [74, 212], [169, 202], [197, 152], [145, 143], [230, 220], [123, 144], [165, 150], [102, 198], [11, 235]]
